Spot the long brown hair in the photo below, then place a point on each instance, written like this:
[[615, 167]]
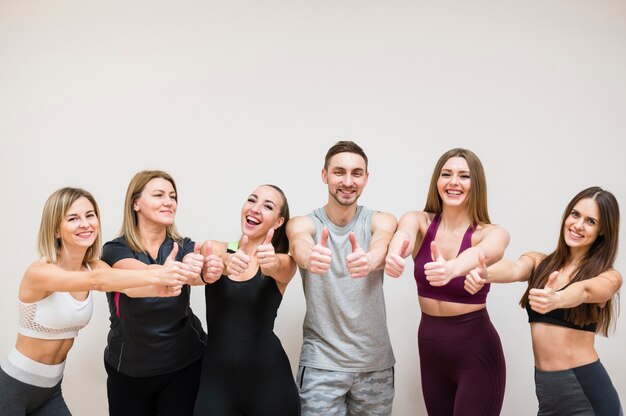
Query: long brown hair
[[130, 229], [598, 259], [477, 204]]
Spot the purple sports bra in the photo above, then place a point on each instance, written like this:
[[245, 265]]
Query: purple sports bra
[[454, 290]]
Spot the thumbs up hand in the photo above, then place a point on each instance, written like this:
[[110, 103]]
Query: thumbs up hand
[[439, 271], [266, 255], [168, 291], [213, 264], [546, 299], [194, 260], [358, 261], [173, 253], [477, 277], [239, 260], [394, 263], [174, 273], [320, 256]]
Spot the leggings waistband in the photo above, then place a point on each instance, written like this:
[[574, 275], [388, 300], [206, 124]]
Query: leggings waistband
[[469, 327], [29, 371]]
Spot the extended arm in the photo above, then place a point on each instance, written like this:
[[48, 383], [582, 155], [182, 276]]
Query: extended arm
[[279, 266], [492, 245], [383, 227], [43, 276], [311, 256], [300, 232], [402, 243], [360, 263], [129, 264], [508, 271], [504, 271], [282, 268], [598, 289]]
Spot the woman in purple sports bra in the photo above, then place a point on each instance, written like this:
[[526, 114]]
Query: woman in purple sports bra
[[569, 299], [461, 360]]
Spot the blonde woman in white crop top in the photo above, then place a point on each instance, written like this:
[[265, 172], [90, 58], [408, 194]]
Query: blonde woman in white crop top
[[55, 301]]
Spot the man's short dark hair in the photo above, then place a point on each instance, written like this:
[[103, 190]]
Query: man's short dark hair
[[344, 146]]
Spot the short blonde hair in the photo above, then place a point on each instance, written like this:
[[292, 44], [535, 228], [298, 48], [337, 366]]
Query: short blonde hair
[[54, 210], [130, 229]]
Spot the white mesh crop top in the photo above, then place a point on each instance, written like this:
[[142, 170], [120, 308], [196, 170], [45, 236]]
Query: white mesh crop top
[[57, 316]]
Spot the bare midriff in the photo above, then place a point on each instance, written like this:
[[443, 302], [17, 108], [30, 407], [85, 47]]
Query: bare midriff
[[561, 348], [45, 351], [436, 307]]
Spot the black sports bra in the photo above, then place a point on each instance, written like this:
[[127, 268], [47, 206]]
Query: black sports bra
[[556, 317]]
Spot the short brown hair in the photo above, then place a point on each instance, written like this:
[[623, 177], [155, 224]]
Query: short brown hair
[[344, 146]]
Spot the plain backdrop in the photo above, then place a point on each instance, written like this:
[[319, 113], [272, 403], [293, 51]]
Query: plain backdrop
[[229, 95]]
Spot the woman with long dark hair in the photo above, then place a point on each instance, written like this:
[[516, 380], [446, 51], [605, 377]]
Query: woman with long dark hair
[[245, 370], [570, 297], [461, 359]]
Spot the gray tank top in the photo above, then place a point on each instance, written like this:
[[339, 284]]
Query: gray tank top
[[345, 326]]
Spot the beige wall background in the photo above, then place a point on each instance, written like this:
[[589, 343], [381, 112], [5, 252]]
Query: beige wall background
[[228, 95]]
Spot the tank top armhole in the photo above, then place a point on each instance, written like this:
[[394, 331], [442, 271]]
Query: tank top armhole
[[467, 238], [431, 231]]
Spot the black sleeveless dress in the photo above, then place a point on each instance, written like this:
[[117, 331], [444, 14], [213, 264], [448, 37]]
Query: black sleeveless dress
[[245, 370]]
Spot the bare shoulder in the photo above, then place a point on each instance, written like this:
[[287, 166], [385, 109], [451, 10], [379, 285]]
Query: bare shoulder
[[382, 219], [417, 219], [612, 275], [37, 267], [32, 278], [218, 247], [484, 230], [535, 256], [384, 216], [42, 262], [300, 224]]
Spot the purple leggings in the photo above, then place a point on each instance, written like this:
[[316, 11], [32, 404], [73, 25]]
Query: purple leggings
[[462, 365]]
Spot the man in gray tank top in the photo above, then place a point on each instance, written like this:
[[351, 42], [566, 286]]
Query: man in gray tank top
[[346, 364]]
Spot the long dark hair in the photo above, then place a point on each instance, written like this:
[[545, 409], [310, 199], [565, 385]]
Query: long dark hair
[[280, 241], [598, 259]]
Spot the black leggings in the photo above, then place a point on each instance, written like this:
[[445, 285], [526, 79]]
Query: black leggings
[[251, 378], [171, 394], [462, 365]]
